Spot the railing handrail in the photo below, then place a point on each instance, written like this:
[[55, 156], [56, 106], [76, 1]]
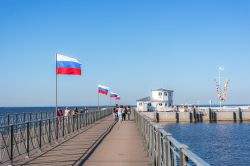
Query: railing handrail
[[195, 158], [20, 139], [162, 147], [34, 121]]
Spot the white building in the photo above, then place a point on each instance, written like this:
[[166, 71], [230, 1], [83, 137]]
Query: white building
[[160, 100]]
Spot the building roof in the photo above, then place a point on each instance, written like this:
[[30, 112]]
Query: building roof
[[144, 99], [161, 89]]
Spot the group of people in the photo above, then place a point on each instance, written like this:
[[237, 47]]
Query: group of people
[[68, 112], [121, 113]]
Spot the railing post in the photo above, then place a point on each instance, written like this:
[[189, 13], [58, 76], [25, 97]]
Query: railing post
[[58, 120], [16, 118], [182, 155], [50, 131], [28, 138], [73, 124], [167, 149], [30, 117], [40, 134], [68, 124], [11, 144], [86, 118], [8, 118], [63, 127], [77, 125]]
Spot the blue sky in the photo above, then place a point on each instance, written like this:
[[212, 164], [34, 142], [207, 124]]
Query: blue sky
[[132, 46]]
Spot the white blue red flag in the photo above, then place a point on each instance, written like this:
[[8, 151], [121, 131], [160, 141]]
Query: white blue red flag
[[118, 98], [67, 65], [103, 89], [113, 95]]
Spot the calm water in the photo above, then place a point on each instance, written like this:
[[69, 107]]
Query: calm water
[[11, 110], [220, 144]]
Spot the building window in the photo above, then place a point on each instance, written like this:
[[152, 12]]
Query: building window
[[166, 104], [166, 94], [140, 104], [149, 104], [160, 104], [160, 93]]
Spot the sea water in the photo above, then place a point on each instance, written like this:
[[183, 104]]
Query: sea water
[[14, 110], [219, 144]]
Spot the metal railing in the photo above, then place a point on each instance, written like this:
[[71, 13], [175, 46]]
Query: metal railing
[[163, 149], [29, 137], [15, 118]]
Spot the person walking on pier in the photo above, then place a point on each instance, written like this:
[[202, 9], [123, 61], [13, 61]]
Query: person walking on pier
[[75, 112], [59, 115], [129, 112], [119, 113], [86, 109], [114, 112], [67, 112], [123, 113], [75, 116]]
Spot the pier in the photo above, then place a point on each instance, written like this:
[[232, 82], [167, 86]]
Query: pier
[[93, 138], [200, 115]]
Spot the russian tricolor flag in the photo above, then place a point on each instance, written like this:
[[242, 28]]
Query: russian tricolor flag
[[67, 65], [118, 98], [113, 95], [103, 89]]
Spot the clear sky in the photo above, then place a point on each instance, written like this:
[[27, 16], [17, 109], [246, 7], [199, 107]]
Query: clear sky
[[132, 46]]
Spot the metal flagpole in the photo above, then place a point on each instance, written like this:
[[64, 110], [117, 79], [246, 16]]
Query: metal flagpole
[[110, 100], [220, 87], [220, 90], [98, 102], [56, 84]]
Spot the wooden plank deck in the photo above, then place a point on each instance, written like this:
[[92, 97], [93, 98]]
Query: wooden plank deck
[[72, 150], [123, 146]]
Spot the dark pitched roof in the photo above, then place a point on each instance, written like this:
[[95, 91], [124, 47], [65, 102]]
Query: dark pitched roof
[[144, 99]]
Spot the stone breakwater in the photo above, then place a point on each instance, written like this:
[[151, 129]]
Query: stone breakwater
[[198, 115]]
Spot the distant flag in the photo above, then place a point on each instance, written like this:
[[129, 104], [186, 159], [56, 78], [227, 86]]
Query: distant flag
[[67, 65], [118, 98], [103, 89], [113, 95]]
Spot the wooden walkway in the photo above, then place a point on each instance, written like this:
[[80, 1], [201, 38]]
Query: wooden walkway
[[74, 149], [123, 146]]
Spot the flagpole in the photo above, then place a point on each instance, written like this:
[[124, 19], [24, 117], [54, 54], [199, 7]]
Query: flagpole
[[98, 102], [56, 83], [109, 101]]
